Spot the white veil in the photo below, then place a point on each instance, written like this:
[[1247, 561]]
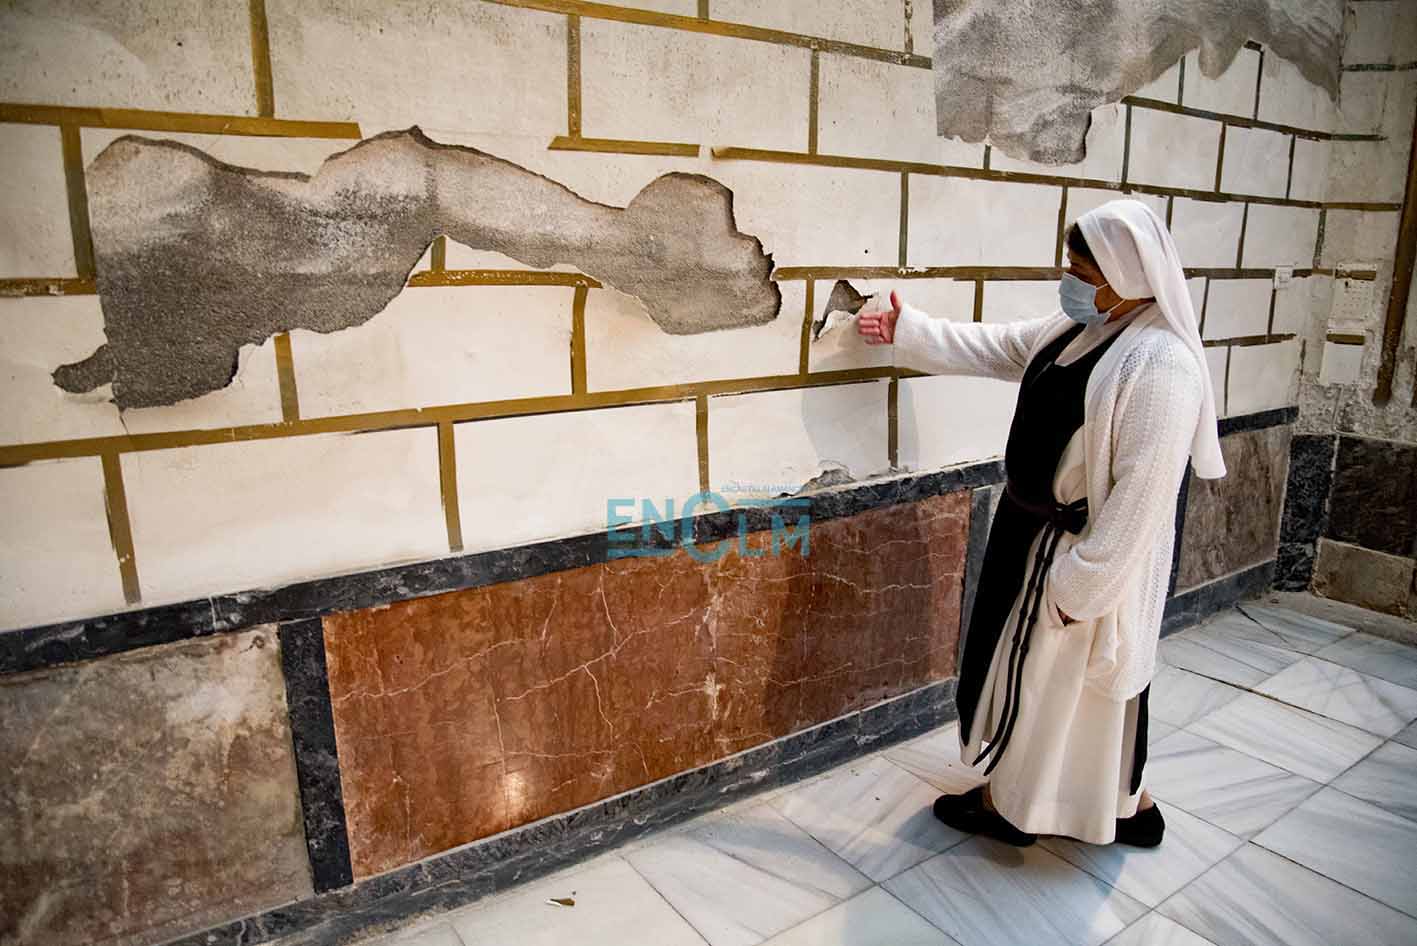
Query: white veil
[[1135, 252]]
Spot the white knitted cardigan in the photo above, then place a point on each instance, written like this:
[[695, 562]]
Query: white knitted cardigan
[[1141, 408]]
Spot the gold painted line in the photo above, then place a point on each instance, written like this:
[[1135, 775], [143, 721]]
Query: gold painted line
[[796, 273], [448, 484], [1240, 247], [120, 529], [439, 261], [701, 422], [1127, 146], [703, 9], [696, 24], [893, 423], [1319, 237], [1062, 226], [578, 341], [978, 300], [813, 101], [499, 277], [1344, 338], [1013, 273], [137, 119], [1205, 304], [1220, 159], [20, 454], [1170, 204], [1238, 121], [1345, 136], [261, 60], [73, 154], [673, 149], [285, 377], [1367, 275], [1225, 383], [804, 359], [729, 153], [904, 217], [909, 40], [1181, 81], [52, 286], [1259, 83], [1269, 321], [988, 154], [573, 76], [1289, 175], [1369, 206], [1245, 341]]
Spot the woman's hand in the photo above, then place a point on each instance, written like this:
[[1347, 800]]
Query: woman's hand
[[878, 327]]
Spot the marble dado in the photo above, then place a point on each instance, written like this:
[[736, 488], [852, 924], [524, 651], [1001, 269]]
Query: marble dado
[[148, 795], [464, 714], [1233, 523]]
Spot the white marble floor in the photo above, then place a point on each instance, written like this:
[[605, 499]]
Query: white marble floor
[[1283, 754]]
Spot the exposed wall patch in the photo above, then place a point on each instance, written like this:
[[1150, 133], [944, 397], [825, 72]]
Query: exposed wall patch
[[1027, 76], [197, 257]]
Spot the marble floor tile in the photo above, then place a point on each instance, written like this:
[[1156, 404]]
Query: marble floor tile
[[934, 758], [1231, 648], [1301, 742], [1256, 898], [741, 879], [873, 814], [1222, 786], [1353, 842], [984, 893], [874, 918], [1408, 737], [1375, 656], [1157, 731], [440, 934], [613, 906], [1157, 930], [1344, 694], [1191, 847], [1387, 778], [1180, 697], [1296, 631]]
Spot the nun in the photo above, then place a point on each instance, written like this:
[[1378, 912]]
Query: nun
[[1114, 399]]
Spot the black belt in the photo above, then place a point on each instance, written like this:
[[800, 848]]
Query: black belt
[[1057, 519]]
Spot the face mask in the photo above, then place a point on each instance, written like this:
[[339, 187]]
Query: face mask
[[1079, 300]]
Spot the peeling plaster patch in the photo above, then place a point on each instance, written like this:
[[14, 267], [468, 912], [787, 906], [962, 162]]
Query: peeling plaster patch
[[845, 299], [197, 257], [1027, 75]]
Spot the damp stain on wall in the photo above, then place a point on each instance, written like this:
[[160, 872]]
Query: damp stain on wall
[[197, 258], [1027, 75]]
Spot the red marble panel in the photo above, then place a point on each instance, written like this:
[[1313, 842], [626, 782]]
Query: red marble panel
[[468, 713]]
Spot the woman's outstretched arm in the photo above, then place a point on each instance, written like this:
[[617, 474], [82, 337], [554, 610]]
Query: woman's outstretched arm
[[942, 346]]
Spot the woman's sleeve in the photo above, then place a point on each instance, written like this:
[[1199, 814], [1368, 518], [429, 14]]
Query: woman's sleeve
[[1154, 426], [989, 349]]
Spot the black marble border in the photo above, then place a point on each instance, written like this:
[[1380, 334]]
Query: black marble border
[[1182, 496], [1198, 603], [35, 648], [1306, 503], [45, 646], [981, 505], [312, 729], [463, 875], [1258, 420]]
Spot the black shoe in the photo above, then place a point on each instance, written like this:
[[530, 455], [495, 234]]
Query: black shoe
[[1143, 829], [967, 813]]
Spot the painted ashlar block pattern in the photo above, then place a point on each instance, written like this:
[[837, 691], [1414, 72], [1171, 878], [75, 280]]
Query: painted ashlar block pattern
[[558, 75]]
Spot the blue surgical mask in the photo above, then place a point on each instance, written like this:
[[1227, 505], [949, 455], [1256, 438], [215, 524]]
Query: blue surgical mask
[[1079, 300]]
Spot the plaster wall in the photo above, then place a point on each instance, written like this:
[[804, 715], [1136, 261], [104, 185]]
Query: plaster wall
[[501, 393]]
